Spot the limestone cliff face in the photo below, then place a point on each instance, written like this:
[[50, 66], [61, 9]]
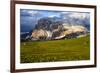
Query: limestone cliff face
[[48, 29], [57, 33], [72, 30], [38, 34]]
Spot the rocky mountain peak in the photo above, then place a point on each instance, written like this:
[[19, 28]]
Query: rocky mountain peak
[[50, 28]]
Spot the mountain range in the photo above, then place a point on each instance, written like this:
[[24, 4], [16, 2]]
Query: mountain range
[[48, 28]]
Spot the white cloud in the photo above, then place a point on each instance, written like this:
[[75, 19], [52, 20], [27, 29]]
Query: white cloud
[[52, 15], [29, 12], [78, 15], [24, 11], [32, 13], [64, 12]]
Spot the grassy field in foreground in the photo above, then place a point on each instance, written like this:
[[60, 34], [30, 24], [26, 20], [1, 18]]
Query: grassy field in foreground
[[55, 50]]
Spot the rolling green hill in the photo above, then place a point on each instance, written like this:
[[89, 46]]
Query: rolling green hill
[[56, 50]]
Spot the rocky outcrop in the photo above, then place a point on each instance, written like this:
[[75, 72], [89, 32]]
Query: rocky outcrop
[[48, 29], [40, 34]]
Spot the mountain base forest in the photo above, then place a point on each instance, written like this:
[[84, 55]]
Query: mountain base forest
[[74, 49]]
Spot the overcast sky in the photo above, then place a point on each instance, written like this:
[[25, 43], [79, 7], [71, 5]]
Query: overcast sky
[[29, 17]]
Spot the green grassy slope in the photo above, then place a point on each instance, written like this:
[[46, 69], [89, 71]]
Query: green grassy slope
[[56, 50]]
